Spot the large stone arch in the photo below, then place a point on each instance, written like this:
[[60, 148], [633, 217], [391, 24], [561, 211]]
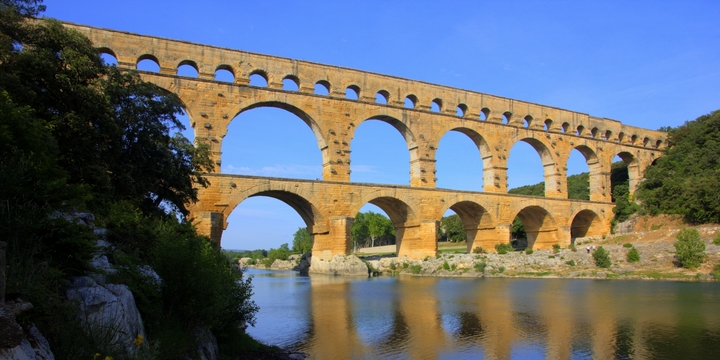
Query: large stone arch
[[551, 172], [634, 168], [597, 175], [478, 222], [485, 151], [540, 227], [584, 223], [413, 237]]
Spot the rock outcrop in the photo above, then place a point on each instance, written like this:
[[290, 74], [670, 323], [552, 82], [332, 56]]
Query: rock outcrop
[[107, 311], [33, 346], [349, 265]]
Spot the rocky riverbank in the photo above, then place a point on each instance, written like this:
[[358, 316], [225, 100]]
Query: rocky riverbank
[[653, 239]]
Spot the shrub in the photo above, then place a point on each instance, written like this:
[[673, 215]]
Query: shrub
[[478, 250], [405, 265], [633, 255], [573, 247], [602, 257], [393, 266], [556, 248], [453, 267], [551, 256], [627, 245], [716, 240], [689, 249], [501, 269], [446, 266], [480, 267], [503, 248], [415, 269], [570, 262], [716, 272], [528, 251]]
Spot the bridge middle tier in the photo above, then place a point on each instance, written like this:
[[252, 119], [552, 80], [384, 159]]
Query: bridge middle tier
[[329, 208]]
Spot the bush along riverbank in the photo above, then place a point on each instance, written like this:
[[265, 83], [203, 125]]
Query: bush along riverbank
[[645, 256]]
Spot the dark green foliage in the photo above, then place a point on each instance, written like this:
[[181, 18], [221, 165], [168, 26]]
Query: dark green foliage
[[716, 240], [633, 255], [415, 269], [687, 179], [570, 263], [518, 229], [370, 226], [281, 253], [453, 228], [573, 248], [624, 207], [480, 267], [532, 190], [579, 186], [556, 248], [503, 248], [529, 251], [601, 257], [689, 248], [716, 272], [627, 245], [478, 250], [302, 241], [446, 266]]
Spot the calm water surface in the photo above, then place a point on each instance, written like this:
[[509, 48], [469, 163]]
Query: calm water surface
[[495, 318]]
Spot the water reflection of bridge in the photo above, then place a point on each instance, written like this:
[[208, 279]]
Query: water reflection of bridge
[[428, 318]]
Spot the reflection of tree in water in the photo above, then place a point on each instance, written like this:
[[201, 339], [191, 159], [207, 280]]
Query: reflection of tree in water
[[398, 334], [624, 341], [684, 341], [470, 328]]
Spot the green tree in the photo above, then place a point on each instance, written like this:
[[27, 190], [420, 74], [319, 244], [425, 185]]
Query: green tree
[[602, 257], [368, 227], [687, 179], [689, 248], [633, 255], [302, 241], [453, 228]]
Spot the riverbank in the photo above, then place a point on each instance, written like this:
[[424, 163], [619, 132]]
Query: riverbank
[[653, 238]]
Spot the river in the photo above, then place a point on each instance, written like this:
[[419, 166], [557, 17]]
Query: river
[[486, 318]]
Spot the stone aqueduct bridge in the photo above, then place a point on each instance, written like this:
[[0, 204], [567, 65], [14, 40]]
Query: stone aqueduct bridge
[[328, 206]]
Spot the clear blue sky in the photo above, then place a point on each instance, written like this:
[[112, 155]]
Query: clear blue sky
[[644, 63]]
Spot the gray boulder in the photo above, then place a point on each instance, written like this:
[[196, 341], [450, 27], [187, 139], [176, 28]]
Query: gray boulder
[[107, 312], [349, 265], [33, 347]]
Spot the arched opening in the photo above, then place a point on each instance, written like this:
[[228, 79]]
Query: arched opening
[[526, 173], [266, 221], [460, 158], [484, 113], [608, 135], [658, 144], [646, 141], [633, 139], [461, 110], [352, 92], [579, 131], [528, 121], [539, 228], [548, 124], [465, 227], [621, 137], [108, 56], [187, 68], [322, 87], [623, 175], [506, 117], [373, 232], [402, 218], [272, 140], [380, 152], [585, 223], [224, 73], [148, 63], [410, 101], [579, 164], [565, 126], [258, 78], [436, 105], [291, 83], [382, 97]]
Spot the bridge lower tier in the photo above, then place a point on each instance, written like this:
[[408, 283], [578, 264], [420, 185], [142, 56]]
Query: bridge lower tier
[[329, 208]]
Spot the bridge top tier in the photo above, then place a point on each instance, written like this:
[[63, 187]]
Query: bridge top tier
[[129, 49]]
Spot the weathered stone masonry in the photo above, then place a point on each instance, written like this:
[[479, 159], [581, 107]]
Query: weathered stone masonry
[[328, 207]]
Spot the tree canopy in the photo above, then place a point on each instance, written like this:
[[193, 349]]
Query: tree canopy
[[369, 226], [686, 180]]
